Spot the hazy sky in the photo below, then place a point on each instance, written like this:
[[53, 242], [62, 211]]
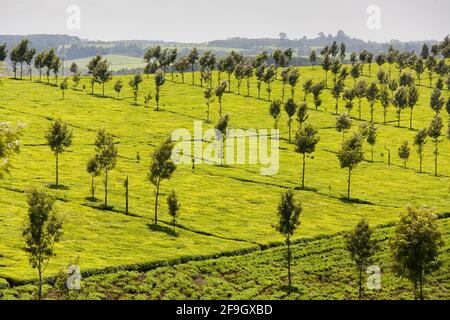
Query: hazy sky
[[203, 20]]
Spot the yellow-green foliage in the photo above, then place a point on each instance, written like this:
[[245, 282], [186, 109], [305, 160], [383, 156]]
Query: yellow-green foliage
[[222, 208]]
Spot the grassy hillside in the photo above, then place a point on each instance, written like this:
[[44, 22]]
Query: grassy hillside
[[117, 62], [321, 270], [223, 208]]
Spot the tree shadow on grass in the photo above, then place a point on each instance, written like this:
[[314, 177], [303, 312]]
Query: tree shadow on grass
[[306, 189], [57, 187], [91, 199], [355, 201], [291, 289], [159, 228]]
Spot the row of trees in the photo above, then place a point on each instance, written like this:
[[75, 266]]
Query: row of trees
[[415, 243]]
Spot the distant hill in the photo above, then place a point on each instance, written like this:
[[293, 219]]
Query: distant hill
[[71, 47]]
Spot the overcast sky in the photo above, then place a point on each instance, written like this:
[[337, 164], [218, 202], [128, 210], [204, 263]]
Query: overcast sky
[[203, 20]]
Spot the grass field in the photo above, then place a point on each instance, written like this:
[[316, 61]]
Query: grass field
[[321, 270], [117, 62], [223, 208]]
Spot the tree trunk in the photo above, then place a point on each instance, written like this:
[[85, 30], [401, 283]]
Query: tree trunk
[[289, 125], [40, 279], [421, 287], [92, 187], [337, 106], [193, 82], [282, 93], [21, 70], [411, 119], [398, 118], [360, 284], [371, 112], [303, 171], [229, 82], [57, 172], [348, 186], [103, 93], [359, 109], [436, 158], [106, 188], [156, 201], [420, 163], [288, 242]]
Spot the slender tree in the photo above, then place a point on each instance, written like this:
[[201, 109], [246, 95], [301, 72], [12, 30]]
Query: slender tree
[[302, 114], [400, 101], [118, 87], [372, 94], [306, 139], [362, 248], [93, 168], [404, 152], [63, 86], [173, 207], [134, 84], [159, 81], [350, 155], [385, 100], [59, 137], [106, 155], [42, 230], [419, 141], [413, 97], [220, 90], [290, 107], [269, 76], [436, 100], [102, 74], [275, 110], [326, 66], [208, 93], [221, 127], [29, 55], [336, 92], [360, 93], [419, 68], [192, 59], [343, 124], [435, 132], [316, 90], [161, 168], [348, 96], [430, 64], [288, 220], [259, 73], [369, 131], [248, 74], [181, 65], [92, 65], [307, 88], [10, 144], [313, 58], [39, 63], [415, 246]]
